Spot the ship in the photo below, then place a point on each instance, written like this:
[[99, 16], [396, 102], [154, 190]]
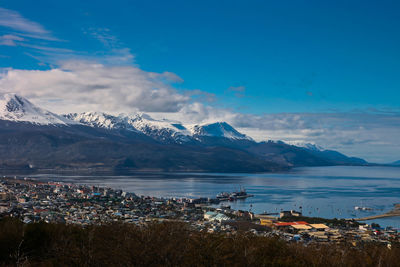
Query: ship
[[241, 194], [223, 196]]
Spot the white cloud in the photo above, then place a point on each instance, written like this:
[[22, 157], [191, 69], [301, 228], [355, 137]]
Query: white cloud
[[120, 56], [48, 49], [372, 136], [31, 35], [116, 53], [81, 85], [10, 40], [104, 36], [15, 21]]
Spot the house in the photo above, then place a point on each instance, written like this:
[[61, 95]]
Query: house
[[209, 214], [319, 226], [23, 199], [287, 225], [220, 218], [267, 216], [301, 227], [4, 196], [244, 214], [289, 213], [266, 222]]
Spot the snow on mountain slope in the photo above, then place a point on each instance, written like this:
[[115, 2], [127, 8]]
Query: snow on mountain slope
[[309, 146], [218, 129], [17, 108], [162, 130], [101, 120]]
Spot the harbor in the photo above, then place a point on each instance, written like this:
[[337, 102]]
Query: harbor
[[34, 201], [320, 192]]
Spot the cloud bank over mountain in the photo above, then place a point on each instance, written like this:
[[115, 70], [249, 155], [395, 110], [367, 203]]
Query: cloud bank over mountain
[[78, 86]]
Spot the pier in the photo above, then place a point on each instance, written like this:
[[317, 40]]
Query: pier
[[393, 213]]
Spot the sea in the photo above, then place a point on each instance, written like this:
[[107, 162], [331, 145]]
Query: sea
[[329, 192]]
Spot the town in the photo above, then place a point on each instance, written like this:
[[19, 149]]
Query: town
[[56, 202]]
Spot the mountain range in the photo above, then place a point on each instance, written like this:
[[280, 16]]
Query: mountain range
[[33, 138]]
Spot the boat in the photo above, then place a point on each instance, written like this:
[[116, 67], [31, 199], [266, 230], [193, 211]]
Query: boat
[[362, 208], [223, 196], [241, 194]]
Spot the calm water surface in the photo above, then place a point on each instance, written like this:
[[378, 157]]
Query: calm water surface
[[330, 192]]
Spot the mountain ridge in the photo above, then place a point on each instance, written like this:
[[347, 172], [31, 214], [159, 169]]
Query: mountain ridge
[[160, 129], [16, 108], [35, 138]]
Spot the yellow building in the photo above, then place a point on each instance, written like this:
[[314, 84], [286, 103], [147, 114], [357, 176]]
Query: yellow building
[[266, 222]]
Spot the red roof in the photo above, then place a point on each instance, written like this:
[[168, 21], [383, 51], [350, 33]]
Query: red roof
[[290, 223], [301, 222], [283, 223]]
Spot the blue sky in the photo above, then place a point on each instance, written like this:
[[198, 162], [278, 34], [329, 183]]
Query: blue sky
[[252, 58]]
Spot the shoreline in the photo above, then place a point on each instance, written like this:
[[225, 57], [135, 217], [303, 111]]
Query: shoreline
[[213, 183], [393, 213], [127, 171]]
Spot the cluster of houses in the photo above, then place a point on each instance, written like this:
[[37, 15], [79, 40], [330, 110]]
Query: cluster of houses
[[34, 201], [346, 231]]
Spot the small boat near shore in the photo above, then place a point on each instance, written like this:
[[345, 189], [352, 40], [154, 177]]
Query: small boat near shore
[[362, 208]]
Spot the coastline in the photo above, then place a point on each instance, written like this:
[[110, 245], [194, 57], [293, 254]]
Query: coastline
[[328, 192]]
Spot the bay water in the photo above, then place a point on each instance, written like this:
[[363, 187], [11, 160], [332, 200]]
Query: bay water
[[329, 192]]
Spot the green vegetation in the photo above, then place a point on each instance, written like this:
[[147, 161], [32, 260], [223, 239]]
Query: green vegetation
[[170, 244]]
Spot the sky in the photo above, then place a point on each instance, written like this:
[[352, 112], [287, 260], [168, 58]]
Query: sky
[[325, 72]]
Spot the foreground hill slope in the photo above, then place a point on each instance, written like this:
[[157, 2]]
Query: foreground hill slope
[[173, 244]]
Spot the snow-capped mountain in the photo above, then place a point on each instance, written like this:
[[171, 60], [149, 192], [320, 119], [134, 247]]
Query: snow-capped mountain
[[310, 146], [28, 138], [218, 129], [161, 130], [101, 120], [17, 108]]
